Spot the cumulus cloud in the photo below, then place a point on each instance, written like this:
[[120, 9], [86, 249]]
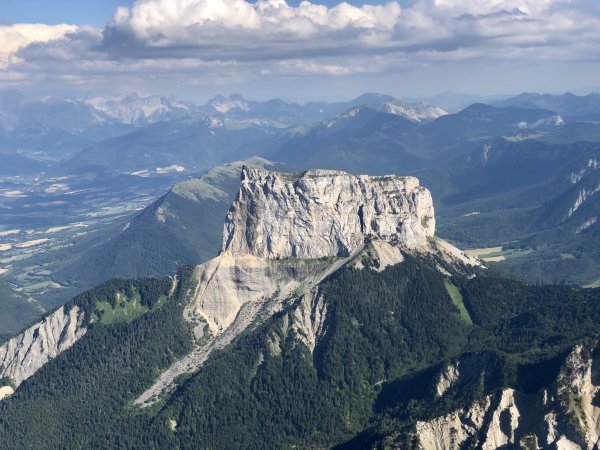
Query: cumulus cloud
[[271, 29], [14, 37], [165, 22], [490, 6], [236, 29], [160, 37]]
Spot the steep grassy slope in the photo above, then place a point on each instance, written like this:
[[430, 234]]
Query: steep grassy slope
[[16, 310], [182, 227], [88, 388]]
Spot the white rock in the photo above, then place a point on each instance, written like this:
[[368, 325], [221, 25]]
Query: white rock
[[26, 353], [447, 378], [563, 416], [5, 391], [233, 292], [325, 213], [283, 235]]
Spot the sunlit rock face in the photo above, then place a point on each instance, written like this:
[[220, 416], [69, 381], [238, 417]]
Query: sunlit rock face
[[323, 213], [27, 352], [565, 415], [276, 236]]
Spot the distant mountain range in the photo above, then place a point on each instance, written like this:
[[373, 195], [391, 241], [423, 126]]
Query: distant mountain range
[[49, 129], [230, 129], [75, 115], [191, 145], [535, 202], [571, 106], [136, 109], [52, 129], [374, 139]]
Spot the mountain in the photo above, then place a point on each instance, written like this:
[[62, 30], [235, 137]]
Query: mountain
[[137, 109], [280, 114], [54, 129], [455, 101], [369, 98], [480, 120], [235, 103], [12, 165], [361, 139], [244, 283], [17, 310], [332, 317], [571, 106], [186, 145], [572, 132], [532, 204], [51, 128], [415, 112], [224, 130], [393, 137], [188, 217], [17, 110]]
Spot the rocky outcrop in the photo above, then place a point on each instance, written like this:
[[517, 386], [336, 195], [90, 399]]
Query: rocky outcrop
[[564, 415], [232, 293], [212, 184], [283, 235], [27, 352], [308, 319], [323, 213], [5, 391]]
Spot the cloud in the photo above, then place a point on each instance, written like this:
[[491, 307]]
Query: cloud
[[236, 39], [236, 29], [14, 37], [271, 29], [167, 22], [489, 6]]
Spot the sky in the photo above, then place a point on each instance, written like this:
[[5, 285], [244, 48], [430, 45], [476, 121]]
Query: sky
[[299, 50]]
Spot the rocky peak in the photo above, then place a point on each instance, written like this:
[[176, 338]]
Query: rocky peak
[[321, 213]]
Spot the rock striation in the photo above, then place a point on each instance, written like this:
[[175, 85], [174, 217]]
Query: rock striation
[[27, 352], [564, 415], [322, 213]]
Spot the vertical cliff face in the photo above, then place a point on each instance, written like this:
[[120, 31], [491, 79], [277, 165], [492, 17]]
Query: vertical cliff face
[[564, 415], [27, 352], [283, 235], [323, 213]]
